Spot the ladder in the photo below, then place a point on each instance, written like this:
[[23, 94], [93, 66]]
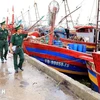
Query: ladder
[[67, 11]]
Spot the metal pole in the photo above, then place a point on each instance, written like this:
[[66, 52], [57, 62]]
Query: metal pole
[[65, 13], [96, 34]]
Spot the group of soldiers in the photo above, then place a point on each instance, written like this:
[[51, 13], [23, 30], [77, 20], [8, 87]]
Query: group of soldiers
[[16, 41]]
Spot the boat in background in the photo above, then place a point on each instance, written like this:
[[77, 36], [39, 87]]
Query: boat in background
[[84, 35], [80, 34]]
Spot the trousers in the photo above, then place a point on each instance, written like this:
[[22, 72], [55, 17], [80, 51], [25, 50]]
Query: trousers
[[3, 49], [18, 58]]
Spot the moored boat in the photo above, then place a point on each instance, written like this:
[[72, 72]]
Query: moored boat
[[93, 66], [63, 59]]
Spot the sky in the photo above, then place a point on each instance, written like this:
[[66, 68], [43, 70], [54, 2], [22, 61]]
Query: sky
[[80, 16]]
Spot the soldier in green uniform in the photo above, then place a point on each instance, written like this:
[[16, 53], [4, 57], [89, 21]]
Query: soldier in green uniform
[[16, 43], [3, 41]]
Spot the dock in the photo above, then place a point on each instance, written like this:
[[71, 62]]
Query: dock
[[40, 82]]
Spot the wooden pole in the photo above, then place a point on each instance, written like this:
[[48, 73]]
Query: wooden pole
[[52, 26], [12, 15]]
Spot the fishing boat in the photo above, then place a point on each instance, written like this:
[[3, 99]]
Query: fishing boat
[[55, 53], [85, 35], [62, 59], [93, 63], [94, 71], [93, 66]]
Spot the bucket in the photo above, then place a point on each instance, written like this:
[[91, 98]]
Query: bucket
[[71, 46], [80, 47], [84, 48], [57, 43], [75, 47]]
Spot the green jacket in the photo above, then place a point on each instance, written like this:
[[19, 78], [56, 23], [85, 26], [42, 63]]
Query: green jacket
[[3, 34], [17, 39]]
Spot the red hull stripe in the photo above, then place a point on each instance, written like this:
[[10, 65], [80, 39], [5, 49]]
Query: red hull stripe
[[72, 53]]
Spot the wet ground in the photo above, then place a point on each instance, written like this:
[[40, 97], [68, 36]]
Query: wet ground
[[31, 84]]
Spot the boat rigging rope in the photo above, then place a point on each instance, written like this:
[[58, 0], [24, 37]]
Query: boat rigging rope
[[80, 4], [25, 12], [91, 11]]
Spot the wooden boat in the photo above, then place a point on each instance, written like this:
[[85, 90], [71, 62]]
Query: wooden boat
[[85, 32], [93, 65], [63, 59], [89, 46]]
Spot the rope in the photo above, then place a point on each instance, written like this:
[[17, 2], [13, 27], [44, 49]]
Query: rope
[[80, 4], [91, 11]]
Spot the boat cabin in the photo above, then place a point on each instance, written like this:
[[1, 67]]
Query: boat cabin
[[86, 32]]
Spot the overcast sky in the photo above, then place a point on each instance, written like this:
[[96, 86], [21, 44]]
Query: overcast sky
[[83, 14]]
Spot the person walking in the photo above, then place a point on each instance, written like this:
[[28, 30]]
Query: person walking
[[16, 47], [4, 33]]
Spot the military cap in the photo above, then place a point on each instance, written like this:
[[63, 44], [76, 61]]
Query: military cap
[[17, 27], [2, 23]]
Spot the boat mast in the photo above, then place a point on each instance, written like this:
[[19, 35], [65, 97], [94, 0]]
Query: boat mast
[[53, 9], [66, 5], [12, 15], [29, 17], [97, 21], [66, 14], [36, 11], [23, 19]]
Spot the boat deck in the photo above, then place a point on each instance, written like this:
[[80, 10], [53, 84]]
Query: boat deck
[[31, 84]]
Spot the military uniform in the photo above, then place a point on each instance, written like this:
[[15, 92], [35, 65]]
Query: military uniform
[[17, 40], [3, 42]]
